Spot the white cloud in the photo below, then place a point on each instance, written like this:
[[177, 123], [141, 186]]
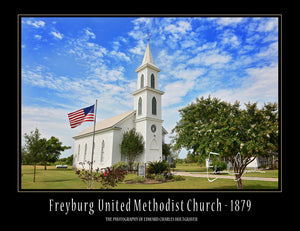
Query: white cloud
[[34, 23], [261, 85], [89, 34], [209, 58], [57, 35], [38, 37], [139, 49], [176, 91], [270, 25], [181, 27], [119, 55], [230, 39]]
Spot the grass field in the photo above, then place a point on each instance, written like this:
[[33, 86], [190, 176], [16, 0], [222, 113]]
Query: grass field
[[195, 168], [53, 178]]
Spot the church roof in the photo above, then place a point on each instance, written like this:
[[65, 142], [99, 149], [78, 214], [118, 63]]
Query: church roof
[[105, 124], [147, 60]]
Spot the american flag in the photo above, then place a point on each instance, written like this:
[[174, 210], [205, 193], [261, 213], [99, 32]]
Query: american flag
[[82, 115]]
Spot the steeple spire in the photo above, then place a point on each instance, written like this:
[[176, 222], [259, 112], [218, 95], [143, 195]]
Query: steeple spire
[[148, 56], [147, 60]]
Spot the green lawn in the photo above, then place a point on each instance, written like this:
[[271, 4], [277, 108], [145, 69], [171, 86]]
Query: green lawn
[[195, 168], [53, 178], [192, 167]]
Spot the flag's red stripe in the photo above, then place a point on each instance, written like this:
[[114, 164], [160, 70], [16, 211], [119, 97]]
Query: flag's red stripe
[[75, 115], [78, 117], [78, 123], [75, 112]]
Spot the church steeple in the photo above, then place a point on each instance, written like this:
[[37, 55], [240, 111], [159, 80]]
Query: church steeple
[[148, 56], [147, 103], [147, 60]]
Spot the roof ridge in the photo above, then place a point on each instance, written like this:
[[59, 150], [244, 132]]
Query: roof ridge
[[106, 123]]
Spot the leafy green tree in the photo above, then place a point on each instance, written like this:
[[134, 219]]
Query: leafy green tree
[[132, 146], [34, 148], [240, 135], [39, 149], [52, 150], [166, 150], [67, 160]]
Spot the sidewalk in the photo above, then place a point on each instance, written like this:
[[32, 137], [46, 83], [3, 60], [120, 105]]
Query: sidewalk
[[211, 176]]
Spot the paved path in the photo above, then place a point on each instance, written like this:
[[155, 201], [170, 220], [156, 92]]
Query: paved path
[[222, 176]]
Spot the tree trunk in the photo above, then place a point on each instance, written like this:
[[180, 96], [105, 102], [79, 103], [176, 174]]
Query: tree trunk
[[45, 165], [34, 172], [238, 178]]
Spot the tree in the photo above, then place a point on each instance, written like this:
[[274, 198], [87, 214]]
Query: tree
[[38, 149], [34, 148], [52, 150], [239, 135], [132, 146]]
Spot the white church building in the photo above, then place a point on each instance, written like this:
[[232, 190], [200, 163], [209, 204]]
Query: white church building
[[146, 118]]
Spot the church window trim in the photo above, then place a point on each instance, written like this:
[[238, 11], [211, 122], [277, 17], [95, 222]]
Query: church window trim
[[154, 106], [102, 151], [152, 81], [140, 104], [142, 81], [78, 152], [85, 151]]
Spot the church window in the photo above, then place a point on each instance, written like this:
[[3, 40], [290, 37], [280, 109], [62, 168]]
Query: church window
[[102, 151], [153, 106], [140, 106], [78, 152], [142, 81], [85, 149], [152, 81], [153, 144]]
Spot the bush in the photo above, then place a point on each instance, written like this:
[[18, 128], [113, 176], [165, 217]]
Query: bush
[[160, 178], [177, 178], [157, 167], [122, 165], [150, 176], [135, 165], [111, 177], [139, 179], [107, 177], [218, 166]]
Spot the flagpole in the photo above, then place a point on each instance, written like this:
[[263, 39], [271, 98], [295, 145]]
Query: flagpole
[[92, 158]]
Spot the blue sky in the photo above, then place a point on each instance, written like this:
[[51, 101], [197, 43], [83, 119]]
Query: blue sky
[[69, 62]]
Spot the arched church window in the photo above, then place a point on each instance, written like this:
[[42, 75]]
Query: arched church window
[[153, 144], [142, 81], [78, 152], [140, 106], [153, 106], [102, 151], [152, 81], [85, 149]]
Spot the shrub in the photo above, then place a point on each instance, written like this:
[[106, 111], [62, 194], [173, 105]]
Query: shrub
[[219, 166], [121, 164], [135, 165], [108, 177], [157, 167], [177, 178], [139, 179], [111, 177], [150, 176], [160, 178]]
